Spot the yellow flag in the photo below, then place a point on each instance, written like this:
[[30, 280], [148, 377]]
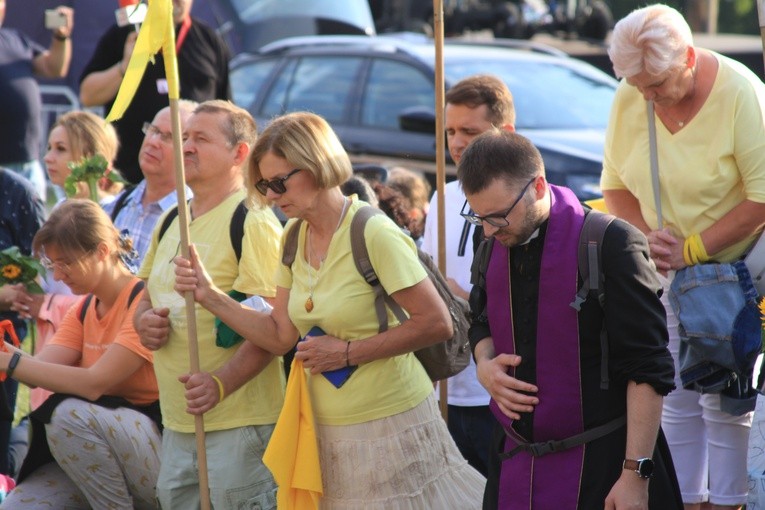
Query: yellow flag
[[292, 454], [157, 33]]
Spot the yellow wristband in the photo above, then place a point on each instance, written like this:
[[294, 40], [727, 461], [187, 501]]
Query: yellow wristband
[[687, 252], [698, 252], [221, 392]]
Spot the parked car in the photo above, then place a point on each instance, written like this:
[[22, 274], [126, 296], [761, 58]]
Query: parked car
[[378, 94]]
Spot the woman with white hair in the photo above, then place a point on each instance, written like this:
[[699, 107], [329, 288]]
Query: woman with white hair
[[710, 138]]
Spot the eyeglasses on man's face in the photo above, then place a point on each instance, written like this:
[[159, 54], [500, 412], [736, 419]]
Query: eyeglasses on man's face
[[499, 219], [151, 130], [276, 185]]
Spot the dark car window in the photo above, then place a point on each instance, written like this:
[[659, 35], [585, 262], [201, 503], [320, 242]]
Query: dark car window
[[275, 102], [547, 95], [318, 84], [247, 81], [392, 87]]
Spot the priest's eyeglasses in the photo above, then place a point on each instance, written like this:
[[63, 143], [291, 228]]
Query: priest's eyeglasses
[[275, 185], [499, 219]]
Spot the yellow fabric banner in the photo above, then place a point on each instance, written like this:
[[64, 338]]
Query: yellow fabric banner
[[292, 454], [157, 33]]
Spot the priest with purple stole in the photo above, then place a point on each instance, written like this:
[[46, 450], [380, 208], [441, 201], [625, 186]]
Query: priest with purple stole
[[577, 424]]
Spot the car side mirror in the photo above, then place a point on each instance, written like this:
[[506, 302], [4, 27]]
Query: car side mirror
[[417, 119]]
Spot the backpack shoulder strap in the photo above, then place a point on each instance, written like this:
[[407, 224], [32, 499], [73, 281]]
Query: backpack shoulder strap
[[364, 267], [591, 271], [588, 257], [137, 288], [171, 214], [236, 228], [290, 244], [481, 262], [119, 204], [84, 307]]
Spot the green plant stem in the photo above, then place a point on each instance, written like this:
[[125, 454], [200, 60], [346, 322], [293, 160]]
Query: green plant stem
[[33, 334], [93, 188]]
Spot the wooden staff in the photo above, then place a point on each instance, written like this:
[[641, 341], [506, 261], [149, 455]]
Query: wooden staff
[[158, 33], [438, 39], [191, 319]]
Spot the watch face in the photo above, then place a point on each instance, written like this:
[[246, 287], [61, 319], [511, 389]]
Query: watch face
[[645, 468]]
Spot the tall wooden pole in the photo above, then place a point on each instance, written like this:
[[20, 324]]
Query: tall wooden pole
[[191, 320], [438, 39]]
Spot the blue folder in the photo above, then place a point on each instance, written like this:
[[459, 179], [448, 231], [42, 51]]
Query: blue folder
[[336, 377]]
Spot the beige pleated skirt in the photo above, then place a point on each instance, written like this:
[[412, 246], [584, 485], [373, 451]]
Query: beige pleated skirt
[[407, 461]]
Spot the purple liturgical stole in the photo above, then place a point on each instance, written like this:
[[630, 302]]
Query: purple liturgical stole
[[552, 480]]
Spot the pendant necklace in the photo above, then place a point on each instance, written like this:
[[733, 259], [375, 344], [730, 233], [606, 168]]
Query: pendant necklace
[[311, 270]]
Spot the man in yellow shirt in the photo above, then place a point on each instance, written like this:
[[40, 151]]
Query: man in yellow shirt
[[218, 137]]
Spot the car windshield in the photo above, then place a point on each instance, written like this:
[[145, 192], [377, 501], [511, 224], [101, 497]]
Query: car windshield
[[547, 95], [352, 12]]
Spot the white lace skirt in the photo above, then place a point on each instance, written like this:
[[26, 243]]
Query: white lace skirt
[[407, 461]]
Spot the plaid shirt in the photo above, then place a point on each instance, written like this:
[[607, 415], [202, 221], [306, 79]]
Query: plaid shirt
[[138, 220]]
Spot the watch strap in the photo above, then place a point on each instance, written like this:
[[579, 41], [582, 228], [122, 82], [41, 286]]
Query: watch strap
[[12, 364], [631, 465], [643, 467]]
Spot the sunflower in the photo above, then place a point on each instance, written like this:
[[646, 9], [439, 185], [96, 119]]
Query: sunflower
[[11, 271]]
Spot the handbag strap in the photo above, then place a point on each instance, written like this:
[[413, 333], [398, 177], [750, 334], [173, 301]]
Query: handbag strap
[[654, 162]]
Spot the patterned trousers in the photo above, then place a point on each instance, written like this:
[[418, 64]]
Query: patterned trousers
[[105, 459]]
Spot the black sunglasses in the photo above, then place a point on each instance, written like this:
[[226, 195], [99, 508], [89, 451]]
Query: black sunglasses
[[275, 185]]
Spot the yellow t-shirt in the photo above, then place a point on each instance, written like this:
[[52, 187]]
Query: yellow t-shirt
[[705, 169], [344, 308], [259, 401]]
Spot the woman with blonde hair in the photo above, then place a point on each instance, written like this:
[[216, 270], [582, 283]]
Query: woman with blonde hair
[[96, 441], [709, 118], [382, 443], [76, 135]]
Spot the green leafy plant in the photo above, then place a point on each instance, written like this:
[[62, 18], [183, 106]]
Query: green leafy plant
[[15, 267], [90, 171]]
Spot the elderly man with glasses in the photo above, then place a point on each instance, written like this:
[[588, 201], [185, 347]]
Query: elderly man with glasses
[[564, 438], [249, 394], [136, 210]]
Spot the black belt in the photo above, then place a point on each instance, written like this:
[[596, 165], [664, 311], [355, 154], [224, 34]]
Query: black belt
[[545, 447]]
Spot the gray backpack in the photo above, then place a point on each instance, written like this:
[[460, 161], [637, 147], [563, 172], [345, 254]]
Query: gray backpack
[[441, 360]]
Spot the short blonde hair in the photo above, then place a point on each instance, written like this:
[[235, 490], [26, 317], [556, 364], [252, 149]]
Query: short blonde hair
[[654, 39], [88, 135], [307, 141]]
